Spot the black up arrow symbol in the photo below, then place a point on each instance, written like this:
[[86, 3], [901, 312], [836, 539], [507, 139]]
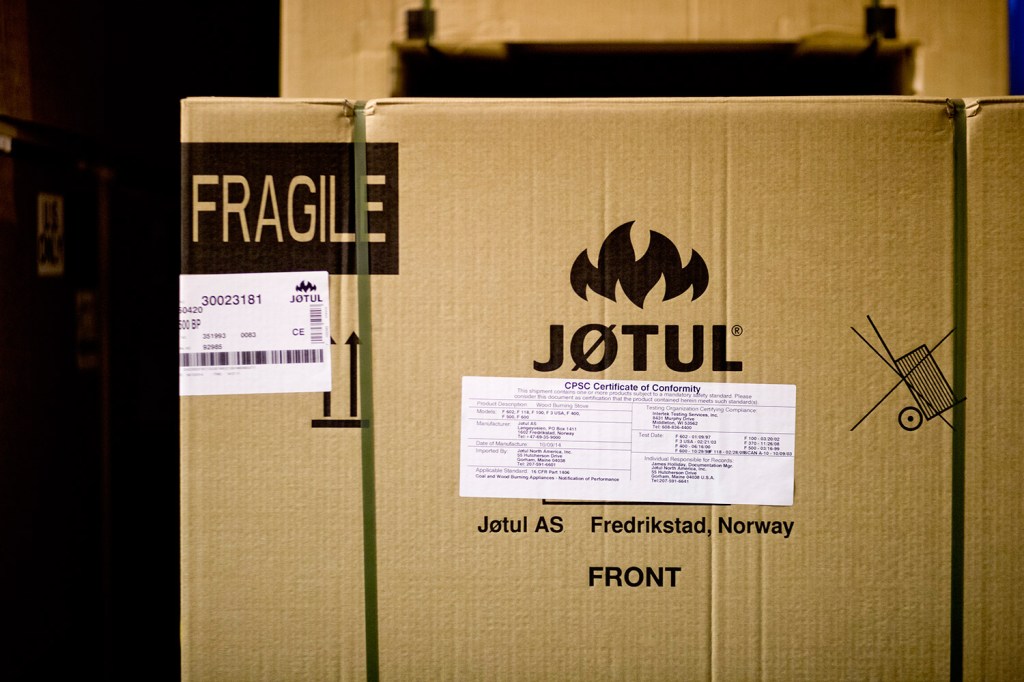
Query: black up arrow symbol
[[353, 392], [353, 374]]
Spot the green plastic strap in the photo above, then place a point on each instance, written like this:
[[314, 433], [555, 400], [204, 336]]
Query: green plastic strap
[[429, 21], [956, 625], [366, 394]]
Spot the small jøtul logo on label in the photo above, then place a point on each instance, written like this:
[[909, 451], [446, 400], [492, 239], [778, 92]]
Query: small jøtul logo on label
[[305, 293]]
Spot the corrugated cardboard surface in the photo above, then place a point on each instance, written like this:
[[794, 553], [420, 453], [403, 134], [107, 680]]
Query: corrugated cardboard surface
[[811, 215], [331, 49], [994, 610]]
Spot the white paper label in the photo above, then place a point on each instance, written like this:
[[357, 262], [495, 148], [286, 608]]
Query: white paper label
[[637, 441], [254, 333], [49, 235]]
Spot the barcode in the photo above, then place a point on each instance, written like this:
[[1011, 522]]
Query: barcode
[[251, 357], [316, 321]]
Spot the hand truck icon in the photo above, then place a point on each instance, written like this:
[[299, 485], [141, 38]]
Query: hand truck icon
[[922, 376]]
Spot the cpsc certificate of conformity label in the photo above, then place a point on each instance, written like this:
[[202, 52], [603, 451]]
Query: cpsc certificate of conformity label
[[635, 441], [254, 333]]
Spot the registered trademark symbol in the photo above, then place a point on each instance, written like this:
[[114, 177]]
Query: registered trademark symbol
[[737, 330]]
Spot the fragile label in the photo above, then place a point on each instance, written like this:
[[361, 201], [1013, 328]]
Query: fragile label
[[631, 441], [254, 333]]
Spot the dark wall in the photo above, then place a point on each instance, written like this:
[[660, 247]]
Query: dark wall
[[51, 529], [157, 54], [89, 448]]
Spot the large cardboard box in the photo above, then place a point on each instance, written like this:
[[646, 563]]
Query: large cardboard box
[[331, 49], [798, 260]]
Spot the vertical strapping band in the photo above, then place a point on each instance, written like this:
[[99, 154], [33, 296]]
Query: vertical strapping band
[[366, 393], [956, 625]]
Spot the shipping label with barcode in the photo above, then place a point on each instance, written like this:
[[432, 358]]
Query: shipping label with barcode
[[254, 333]]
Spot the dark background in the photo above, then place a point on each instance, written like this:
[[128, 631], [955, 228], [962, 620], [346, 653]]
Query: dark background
[[89, 449]]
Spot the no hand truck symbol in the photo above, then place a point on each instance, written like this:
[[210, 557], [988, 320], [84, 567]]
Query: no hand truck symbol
[[922, 376]]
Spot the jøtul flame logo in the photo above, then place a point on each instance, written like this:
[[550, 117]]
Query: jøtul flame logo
[[595, 347], [617, 264]]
